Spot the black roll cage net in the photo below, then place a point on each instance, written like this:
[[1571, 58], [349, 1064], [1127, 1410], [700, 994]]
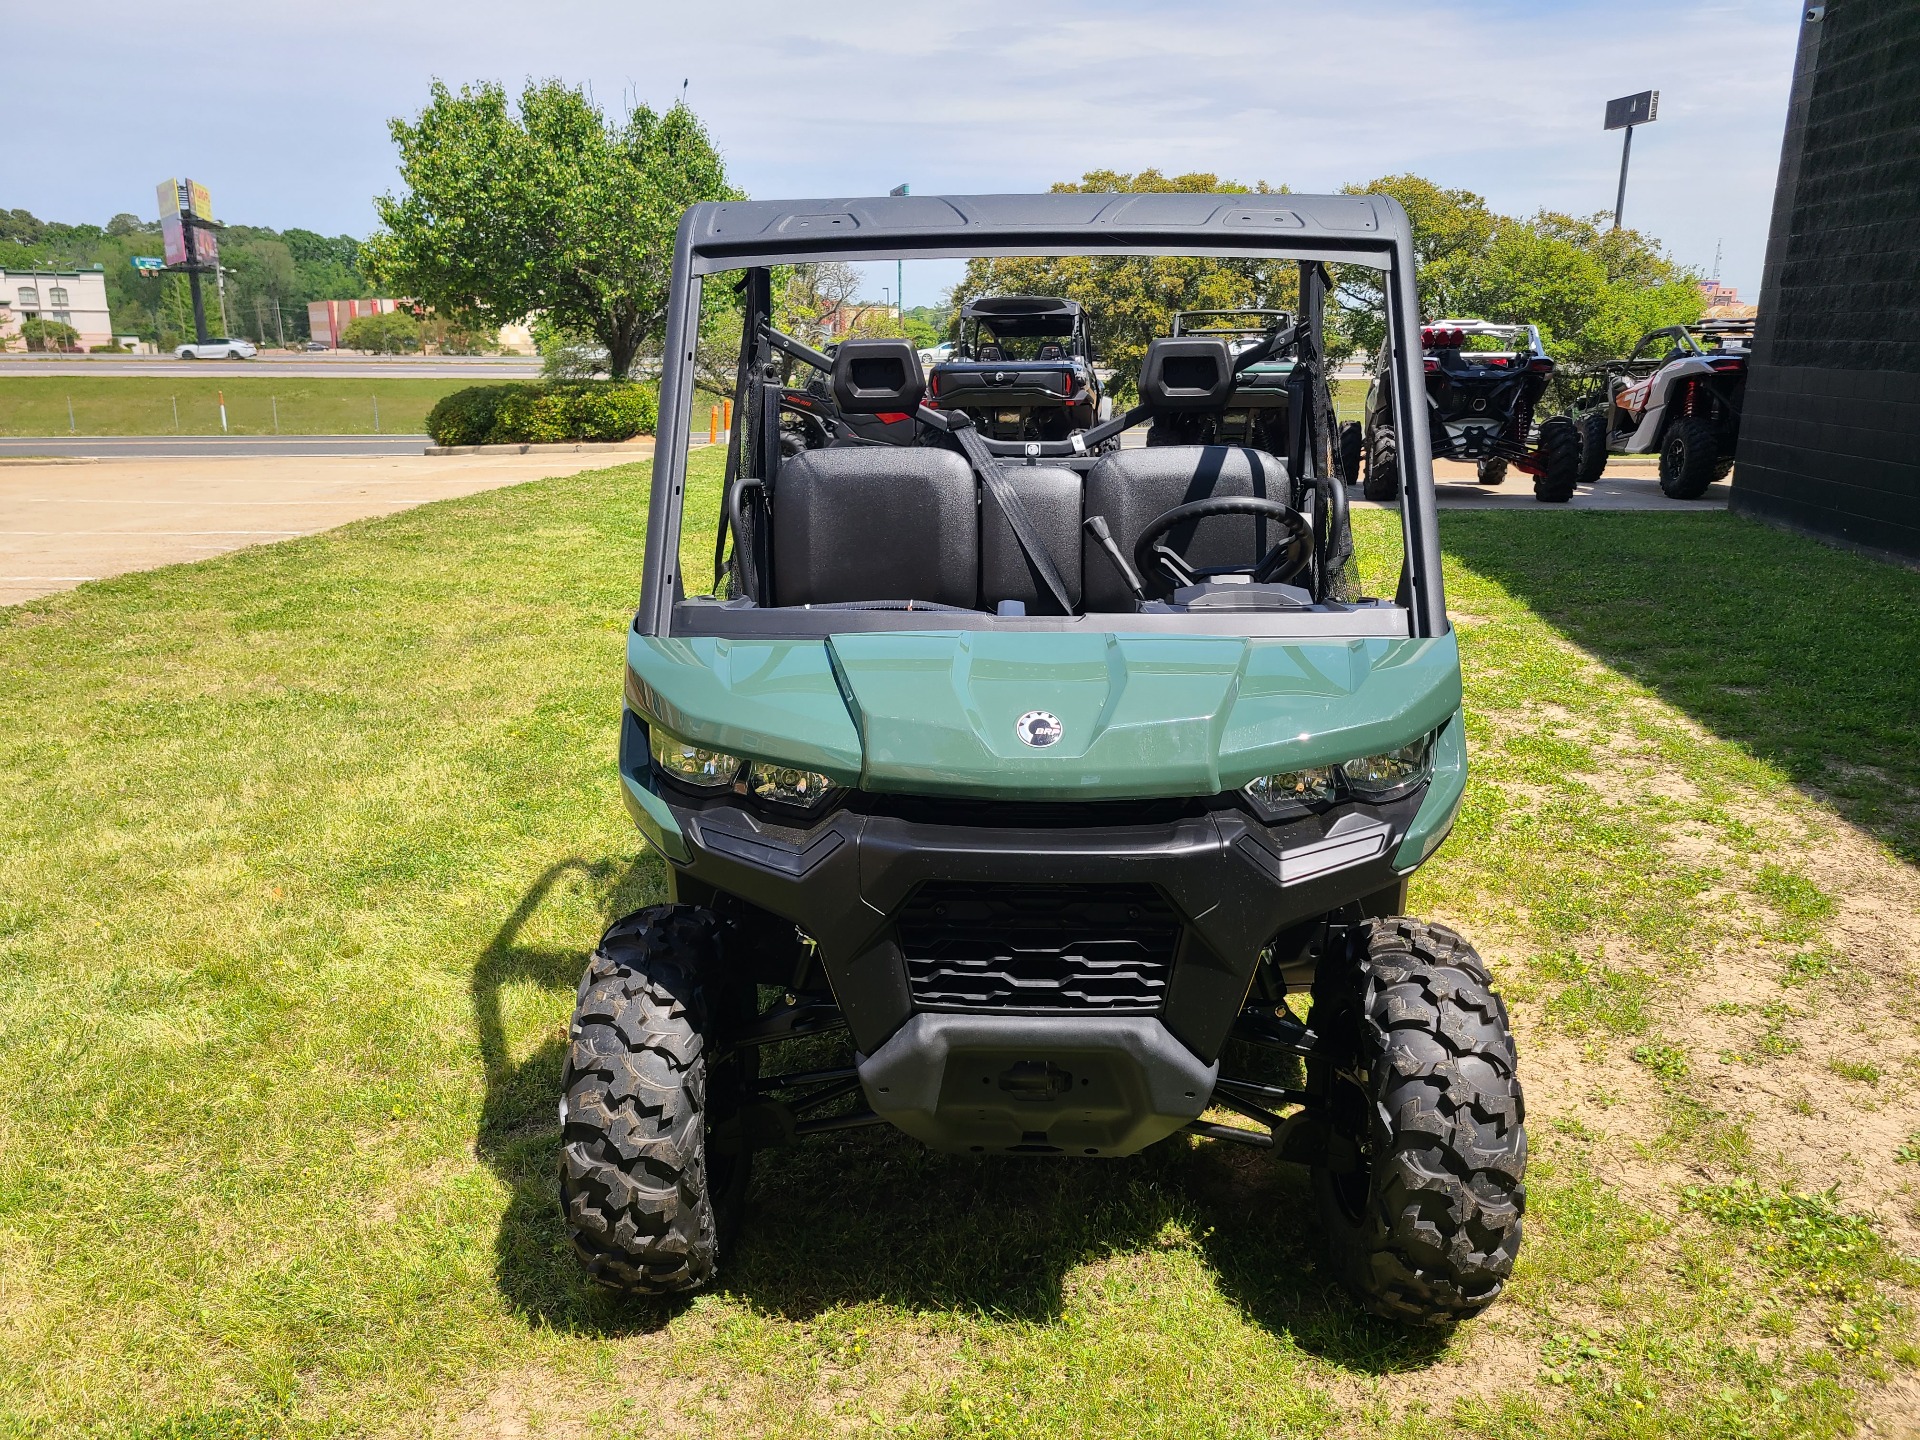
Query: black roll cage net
[[760, 394]]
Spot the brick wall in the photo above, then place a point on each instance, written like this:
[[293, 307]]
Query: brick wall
[[1830, 438]]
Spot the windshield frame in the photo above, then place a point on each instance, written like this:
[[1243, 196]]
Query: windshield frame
[[1369, 231]]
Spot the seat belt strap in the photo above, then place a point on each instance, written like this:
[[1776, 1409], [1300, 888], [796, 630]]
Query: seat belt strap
[[1007, 496]]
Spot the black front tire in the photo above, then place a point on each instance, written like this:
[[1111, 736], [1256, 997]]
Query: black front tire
[[1689, 459], [1424, 1084], [1491, 472], [1383, 468], [1352, 446], [1593, 445], [1559, 455], [648, 1202]]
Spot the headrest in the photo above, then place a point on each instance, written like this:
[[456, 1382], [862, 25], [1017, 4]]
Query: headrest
[[1186, 374], [873, 377]]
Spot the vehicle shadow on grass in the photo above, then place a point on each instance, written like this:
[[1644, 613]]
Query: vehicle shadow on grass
[[519, 1130], [872, 1216], [1805, 655]]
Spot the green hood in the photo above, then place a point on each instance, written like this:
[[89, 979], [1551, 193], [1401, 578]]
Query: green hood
[[935, 713]]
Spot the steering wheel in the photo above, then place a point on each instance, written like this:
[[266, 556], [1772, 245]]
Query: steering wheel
[[1284, 561]]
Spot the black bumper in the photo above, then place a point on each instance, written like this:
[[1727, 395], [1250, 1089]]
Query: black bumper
[[1193, 898]]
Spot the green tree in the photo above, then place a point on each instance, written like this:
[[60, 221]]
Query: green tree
[[394, 333], [1591, 291], [1131, 299], [544, 207]]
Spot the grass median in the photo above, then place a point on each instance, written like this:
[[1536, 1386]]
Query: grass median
[[186, 404], [303, 849]]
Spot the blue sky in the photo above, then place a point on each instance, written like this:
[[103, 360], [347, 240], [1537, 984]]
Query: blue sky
[[281, 109]]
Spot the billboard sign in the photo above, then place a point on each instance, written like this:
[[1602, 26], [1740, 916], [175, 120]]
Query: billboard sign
[[206, 247], [173, 239], [169, 193], [1641, 109], [199, 201]]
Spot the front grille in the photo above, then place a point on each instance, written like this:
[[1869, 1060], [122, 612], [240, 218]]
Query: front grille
[[1100, 948]]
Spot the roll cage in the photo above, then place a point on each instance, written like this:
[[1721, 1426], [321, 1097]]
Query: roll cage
[[751, 236], [1024, 317]]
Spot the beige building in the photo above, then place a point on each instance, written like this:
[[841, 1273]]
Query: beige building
[[71, 297]]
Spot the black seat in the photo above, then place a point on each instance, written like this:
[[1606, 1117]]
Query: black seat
[[990, 352], [1051, 498], [875, 523], [1132, 488]]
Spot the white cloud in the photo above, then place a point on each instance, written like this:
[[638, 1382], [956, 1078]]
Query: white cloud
[[281, 109]]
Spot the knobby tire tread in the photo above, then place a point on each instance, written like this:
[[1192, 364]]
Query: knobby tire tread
[[1559, 461], [633, 1160], [1435, 1237]]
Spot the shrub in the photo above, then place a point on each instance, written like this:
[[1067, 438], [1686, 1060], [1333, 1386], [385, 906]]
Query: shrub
[[48, 334], [544, 414], [391, 333]]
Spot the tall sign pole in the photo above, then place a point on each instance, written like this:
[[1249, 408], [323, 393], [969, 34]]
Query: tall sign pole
[[1623, 114], [899, 272], [187, 234]]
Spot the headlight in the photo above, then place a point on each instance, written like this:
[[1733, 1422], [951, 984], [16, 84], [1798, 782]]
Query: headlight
[[784, 785], [1371, 777], [1389, 776], [691, 764], [1301, 787]]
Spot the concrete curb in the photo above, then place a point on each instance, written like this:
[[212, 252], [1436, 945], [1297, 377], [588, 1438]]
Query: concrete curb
[[635, 446]]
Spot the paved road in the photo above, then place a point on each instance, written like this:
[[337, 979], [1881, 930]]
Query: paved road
[[62, 524], [151, 447], [306, 367], [1627, 485]]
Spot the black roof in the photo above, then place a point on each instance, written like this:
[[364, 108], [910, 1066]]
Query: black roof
[[1023, 314], [729, 234]]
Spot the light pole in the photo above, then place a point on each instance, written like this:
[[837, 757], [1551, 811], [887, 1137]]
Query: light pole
[[1623, 114]]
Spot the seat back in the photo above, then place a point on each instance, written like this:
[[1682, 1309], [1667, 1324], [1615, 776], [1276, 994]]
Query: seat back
[[1051, 498], [1132, 488], [875, 523]]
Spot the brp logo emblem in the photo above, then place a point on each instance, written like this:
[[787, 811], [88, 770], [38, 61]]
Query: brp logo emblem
[[1038, 729]]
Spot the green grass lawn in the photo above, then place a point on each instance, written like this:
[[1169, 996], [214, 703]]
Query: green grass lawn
[[302, 850], [146, 404]]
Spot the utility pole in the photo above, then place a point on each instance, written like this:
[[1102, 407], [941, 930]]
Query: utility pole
[[1623, 114]]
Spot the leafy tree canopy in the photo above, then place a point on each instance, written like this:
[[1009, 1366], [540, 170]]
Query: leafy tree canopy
[[544, 206], [1592, 291], [1133, 298]]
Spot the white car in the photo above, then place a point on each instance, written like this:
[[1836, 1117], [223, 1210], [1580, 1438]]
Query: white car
[[938, 354], [217, 350]]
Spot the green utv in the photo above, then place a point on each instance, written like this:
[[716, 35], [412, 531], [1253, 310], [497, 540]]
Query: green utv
[[1032, 779]]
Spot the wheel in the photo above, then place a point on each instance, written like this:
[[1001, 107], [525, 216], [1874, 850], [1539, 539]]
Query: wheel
[[1383, 470], [1351, 444], [1559, 455], [648, 1202], [1426, 1227], [1593, 445], [1688, 458], [1491, 472], [235, 355]]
